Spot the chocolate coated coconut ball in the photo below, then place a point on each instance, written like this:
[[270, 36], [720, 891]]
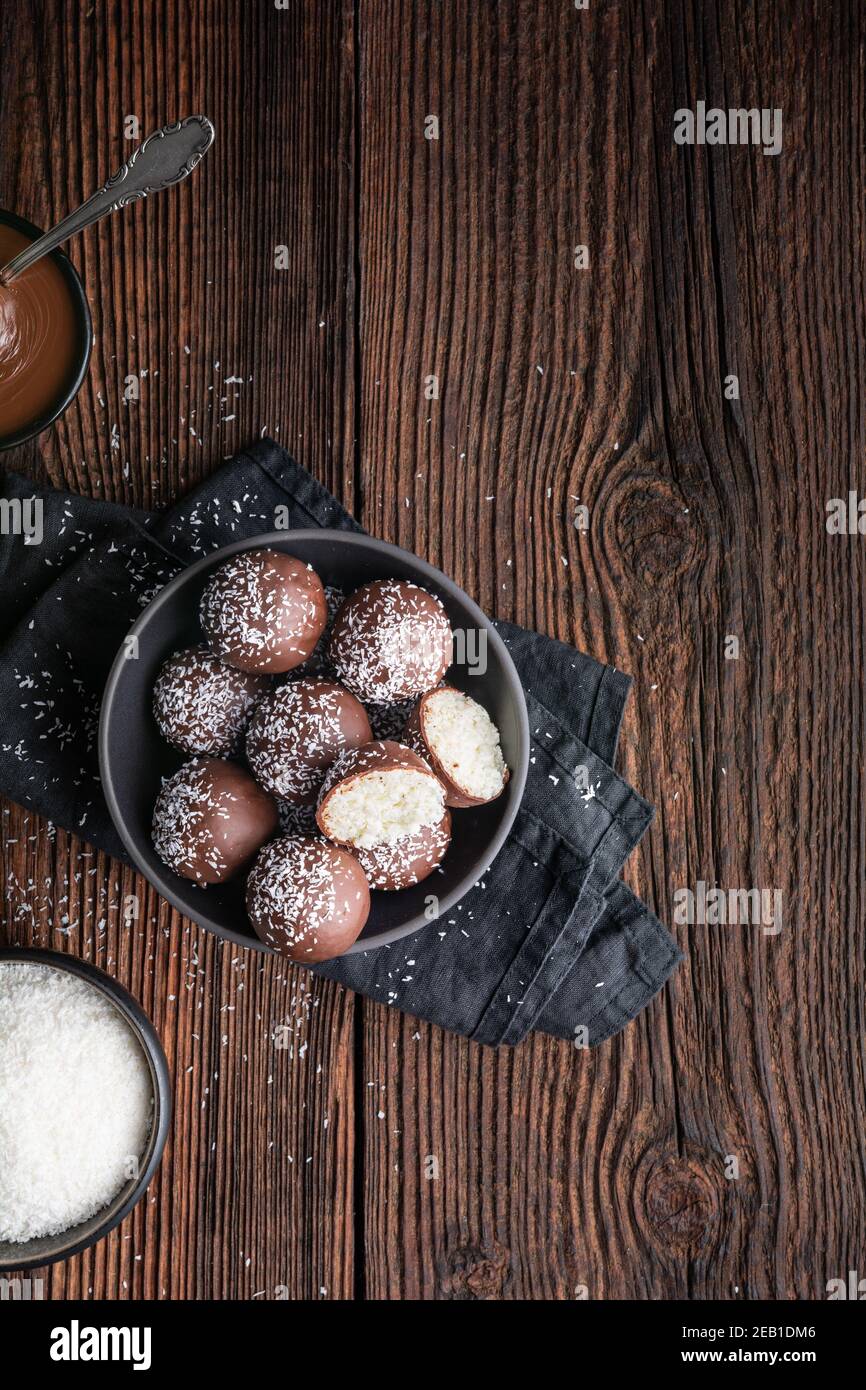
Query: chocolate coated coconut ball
[[307, 899], [263, 611], [391, 640], [209, 820], [459, 740], [202, 705], [400, 863], [378, 793], [298, 731]]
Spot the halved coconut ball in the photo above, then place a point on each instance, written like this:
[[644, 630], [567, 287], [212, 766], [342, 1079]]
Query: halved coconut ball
[[307, 899], [406, 861], [461, 743], [378, 793], [298, 731]]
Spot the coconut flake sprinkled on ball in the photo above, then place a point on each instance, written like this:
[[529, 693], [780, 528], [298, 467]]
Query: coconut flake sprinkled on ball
[[408, 860], [391, 640], [307, 899], [201, 705], [263, 611], [209, 820], [298, 731]]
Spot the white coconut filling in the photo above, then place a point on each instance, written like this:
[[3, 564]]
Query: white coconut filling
[[379, 807], [466, 741]]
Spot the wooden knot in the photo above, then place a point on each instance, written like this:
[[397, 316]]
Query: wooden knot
[[650, 535], [472, 1273], [681, 1206]]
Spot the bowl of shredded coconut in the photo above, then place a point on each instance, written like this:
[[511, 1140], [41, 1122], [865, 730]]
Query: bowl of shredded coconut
[[85, 1104]]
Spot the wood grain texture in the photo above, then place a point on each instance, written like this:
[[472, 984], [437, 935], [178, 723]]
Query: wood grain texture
[[560, 1172], [376, 1156]]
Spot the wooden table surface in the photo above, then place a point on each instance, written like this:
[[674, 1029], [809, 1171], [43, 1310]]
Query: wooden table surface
[[302, 1172]]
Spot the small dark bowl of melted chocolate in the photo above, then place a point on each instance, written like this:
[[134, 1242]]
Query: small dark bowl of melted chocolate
[[45, 336]]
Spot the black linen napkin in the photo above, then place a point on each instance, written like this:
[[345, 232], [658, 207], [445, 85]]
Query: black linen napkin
[[548, 939]]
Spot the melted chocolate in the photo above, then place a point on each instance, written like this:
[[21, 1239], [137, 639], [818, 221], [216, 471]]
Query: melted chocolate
[[39, 338]]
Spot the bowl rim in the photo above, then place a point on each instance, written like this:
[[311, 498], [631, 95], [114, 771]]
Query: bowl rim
[[424, 570], [152, 1047], [84, 347]]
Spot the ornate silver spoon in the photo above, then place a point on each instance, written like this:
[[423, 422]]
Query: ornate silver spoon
[[165, 157]]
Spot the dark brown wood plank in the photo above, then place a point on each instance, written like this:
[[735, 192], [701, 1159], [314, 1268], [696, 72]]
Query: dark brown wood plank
[[254, 1198], [561, 1171]]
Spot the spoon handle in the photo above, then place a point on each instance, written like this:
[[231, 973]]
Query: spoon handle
[[165, 157]]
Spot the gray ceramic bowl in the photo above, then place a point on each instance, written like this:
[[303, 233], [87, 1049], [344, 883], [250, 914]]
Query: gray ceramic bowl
[[83, 346], [31, 1254], [134, 758]]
